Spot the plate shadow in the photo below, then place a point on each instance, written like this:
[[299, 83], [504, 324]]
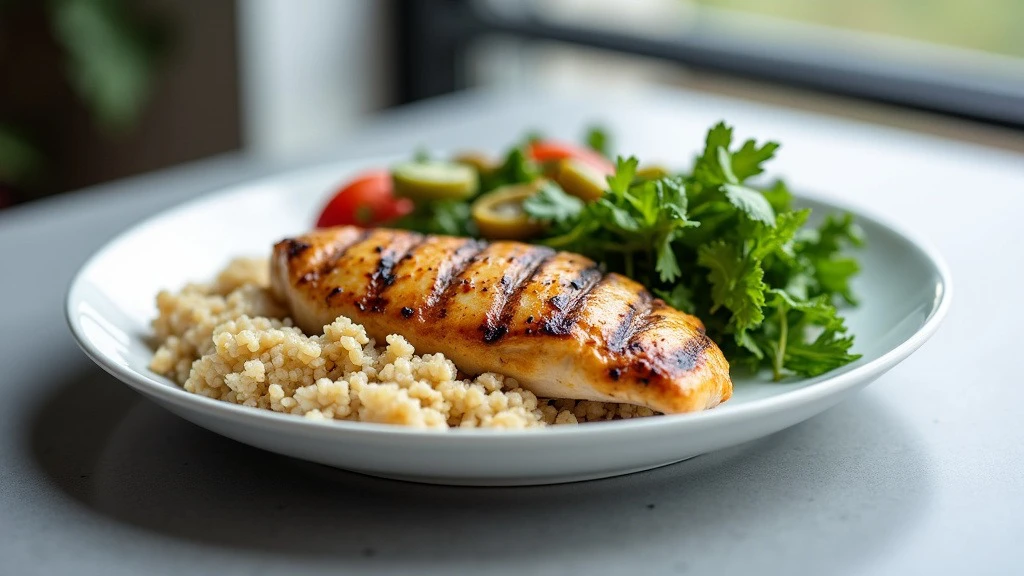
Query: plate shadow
[[847, 484]]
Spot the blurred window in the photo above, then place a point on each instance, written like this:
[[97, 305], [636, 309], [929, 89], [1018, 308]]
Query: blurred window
[[950, 56]]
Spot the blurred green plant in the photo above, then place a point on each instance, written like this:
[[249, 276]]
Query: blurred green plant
[[19, 160], [112, 57]]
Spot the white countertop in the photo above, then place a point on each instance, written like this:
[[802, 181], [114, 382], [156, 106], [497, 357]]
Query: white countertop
[[921, 473]]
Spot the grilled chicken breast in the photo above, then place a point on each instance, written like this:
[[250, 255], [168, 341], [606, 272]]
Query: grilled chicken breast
[[551, 320]]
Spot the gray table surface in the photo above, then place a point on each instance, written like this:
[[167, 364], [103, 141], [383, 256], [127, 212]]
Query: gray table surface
[[921, 473]]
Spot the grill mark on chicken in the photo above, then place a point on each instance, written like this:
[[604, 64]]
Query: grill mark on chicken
[[616, 338], [592, 336], [633, 320], [391, 253], [688, 356], [507, 300], [338, 251], [296, 248], [649, 364], [566, 307], [461, 260], [678, 356], [642, 324]]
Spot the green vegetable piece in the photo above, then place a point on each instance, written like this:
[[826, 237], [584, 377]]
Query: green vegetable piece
[[434, 180], [746, 162], [779, 197], [499, 214], [450, 217], [652, 172], [750, 202], [737, 255], [791, 349], [737, 283], [625, 171], [580, 180], [551, 203], [516, 168], [718, 166], [598, 140]]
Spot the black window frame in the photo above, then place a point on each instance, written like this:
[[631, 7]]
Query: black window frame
[[434, 38]]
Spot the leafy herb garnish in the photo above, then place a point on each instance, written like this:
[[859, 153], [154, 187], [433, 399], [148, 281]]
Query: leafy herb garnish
[[736, 255], [598, 141], [515, 169]]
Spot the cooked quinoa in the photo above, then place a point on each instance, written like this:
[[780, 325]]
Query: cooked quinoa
[[231, 340]]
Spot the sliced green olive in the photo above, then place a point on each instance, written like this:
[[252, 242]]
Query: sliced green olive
[[549, 168], [652, 172], [580, 179], [480, 162], [499, 214], [434, 180]]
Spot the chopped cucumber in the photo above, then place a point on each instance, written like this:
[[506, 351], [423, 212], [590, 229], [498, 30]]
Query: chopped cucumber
[[434, 180]]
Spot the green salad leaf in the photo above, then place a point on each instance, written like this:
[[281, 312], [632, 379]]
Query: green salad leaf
[[632, 228], [552, 204], [516, 169], [598, 140], [710, 242], [449, 217]]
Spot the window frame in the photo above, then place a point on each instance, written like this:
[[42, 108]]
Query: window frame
[[434, 38]]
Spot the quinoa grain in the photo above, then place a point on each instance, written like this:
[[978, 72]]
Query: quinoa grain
[[230, 340]]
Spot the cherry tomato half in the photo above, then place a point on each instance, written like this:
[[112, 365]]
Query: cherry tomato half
[[367, 200], [551, 151]]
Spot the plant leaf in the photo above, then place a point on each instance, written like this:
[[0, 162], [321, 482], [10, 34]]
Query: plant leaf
[[751, 202]]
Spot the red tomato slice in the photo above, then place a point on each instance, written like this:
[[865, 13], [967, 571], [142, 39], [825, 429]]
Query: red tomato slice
[[550, 151], [367, 200]]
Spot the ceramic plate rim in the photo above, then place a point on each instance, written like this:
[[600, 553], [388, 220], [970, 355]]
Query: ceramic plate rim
[[177, 395]]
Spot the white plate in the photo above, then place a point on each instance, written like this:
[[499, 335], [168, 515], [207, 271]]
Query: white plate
[[905, 289]]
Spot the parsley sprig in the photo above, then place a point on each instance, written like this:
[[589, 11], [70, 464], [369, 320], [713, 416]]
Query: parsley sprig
[[737, 255]]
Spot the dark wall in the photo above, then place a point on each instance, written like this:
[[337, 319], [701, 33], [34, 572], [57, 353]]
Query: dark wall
[[193, 110]]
